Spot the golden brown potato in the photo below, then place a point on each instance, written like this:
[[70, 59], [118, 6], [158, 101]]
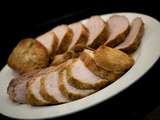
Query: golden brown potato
[[28, 55], [113, 60]]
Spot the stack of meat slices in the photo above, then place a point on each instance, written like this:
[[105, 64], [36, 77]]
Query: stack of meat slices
[[116, 32], [71, 80], [85, 58]]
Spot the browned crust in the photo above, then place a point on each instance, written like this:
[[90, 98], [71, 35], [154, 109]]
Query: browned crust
[[54, 46], [28, 55], [65, 42], [101, 38], [132, 47], [31, 99], [81, 85], [98, 71]]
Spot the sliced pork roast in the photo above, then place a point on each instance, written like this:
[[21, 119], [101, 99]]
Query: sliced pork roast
[[50, 41], [98, 31], [118, 27], [70, 91], [87, 56], [113, 60], [133, 39], [79, 40], [81, 77], [17, 87], [64, 35], [50, 86], [93, 66], [50, 89], [33, 88], [80, 37]]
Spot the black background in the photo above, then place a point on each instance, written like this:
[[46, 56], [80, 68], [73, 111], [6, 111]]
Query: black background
[[29, 19]]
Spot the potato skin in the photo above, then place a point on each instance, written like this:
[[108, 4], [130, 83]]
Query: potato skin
[[28, 55]]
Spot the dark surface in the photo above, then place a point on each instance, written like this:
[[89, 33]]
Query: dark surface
[[30, 20]]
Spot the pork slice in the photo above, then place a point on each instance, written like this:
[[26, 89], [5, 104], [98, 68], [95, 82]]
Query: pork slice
[[133, 39], [50, 41], [64, 35], [118, 27], [87, 57], [98, 31], [50, 89], [80, 37], [17, 87], [81, 77], [70, 91]]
